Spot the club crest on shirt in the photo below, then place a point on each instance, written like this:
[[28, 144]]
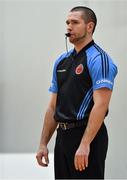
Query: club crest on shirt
[[79, 69]]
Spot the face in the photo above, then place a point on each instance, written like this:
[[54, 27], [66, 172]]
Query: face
[[76, 27]]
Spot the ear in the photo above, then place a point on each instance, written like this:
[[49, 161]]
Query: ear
[[90, 27]]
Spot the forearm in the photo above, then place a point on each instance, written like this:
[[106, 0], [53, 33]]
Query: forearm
[[95, 121], [48, 128], [101, 98]]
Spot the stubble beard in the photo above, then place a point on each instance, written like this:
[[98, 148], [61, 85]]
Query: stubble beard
[[78, 39]]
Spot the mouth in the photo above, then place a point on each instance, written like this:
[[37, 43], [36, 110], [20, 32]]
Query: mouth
[[68, 34]]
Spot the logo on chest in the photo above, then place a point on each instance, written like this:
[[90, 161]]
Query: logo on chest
[[79, 69]]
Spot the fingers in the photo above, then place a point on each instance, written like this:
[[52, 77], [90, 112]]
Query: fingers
[[42, 159], [80, 162], [46, 159], [81, 157], [86, 161]]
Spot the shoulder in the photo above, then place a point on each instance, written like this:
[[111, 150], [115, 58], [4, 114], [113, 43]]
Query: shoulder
[[101, 68], [97, 56], [63, 56]]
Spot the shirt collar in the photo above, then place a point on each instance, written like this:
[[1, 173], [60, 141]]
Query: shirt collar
[[74, 53]]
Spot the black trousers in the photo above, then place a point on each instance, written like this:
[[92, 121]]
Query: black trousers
[[67, 142]]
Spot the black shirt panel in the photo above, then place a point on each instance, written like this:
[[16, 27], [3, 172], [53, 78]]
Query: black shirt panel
[[74, 82]]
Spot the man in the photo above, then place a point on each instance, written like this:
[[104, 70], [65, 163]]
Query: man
[[82, 84]]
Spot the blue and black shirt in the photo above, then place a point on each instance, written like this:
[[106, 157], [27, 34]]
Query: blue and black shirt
[[76, 76]]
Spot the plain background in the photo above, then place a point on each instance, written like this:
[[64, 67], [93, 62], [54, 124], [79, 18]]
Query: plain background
[[31, 38]]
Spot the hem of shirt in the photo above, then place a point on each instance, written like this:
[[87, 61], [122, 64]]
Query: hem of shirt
[[103, 86], [51, 90]]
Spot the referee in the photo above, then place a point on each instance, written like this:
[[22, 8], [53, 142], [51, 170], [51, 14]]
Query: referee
[[81, 89]]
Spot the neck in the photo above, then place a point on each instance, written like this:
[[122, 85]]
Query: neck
[[79, 45]]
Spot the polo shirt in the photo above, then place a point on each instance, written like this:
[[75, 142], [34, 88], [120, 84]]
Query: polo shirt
[[76, 76]]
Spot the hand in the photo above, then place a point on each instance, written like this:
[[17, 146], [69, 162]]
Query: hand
[[42, 156], [81, 157]]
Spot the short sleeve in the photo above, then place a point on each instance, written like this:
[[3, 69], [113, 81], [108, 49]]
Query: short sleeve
[[102, 71], [53, 87]]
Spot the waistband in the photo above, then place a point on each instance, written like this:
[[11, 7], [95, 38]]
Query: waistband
[[65, 125]]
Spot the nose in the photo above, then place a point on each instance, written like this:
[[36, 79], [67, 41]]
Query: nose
[[69, 27]]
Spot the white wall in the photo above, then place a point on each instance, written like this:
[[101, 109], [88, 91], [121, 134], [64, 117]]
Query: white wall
[[31, 38]]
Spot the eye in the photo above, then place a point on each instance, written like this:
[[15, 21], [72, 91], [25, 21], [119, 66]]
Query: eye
[[72, 22], [75, 22], [67, 22]]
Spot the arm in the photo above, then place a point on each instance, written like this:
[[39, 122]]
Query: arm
[[48, 129], [101, 99]]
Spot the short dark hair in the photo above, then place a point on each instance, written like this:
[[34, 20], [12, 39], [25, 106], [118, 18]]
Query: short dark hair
[[88, 14]]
